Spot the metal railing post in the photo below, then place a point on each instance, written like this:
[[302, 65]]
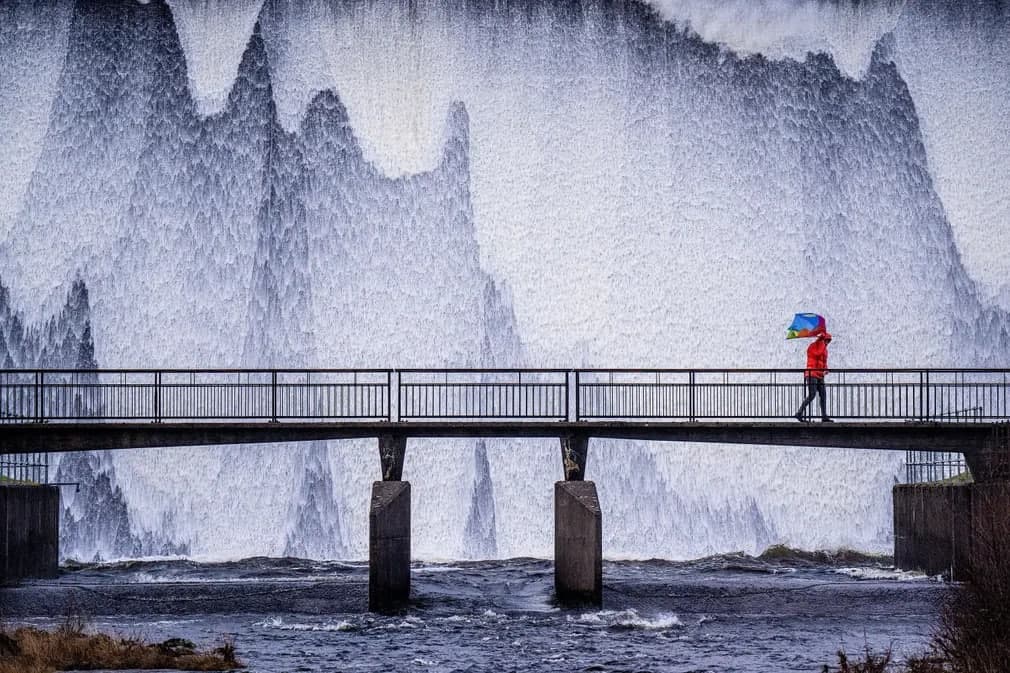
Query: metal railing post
[[389, 395], [157, 397], [400, 396], [273, 396], [39, 397], [568, 385], [578, 406], [922, 398], [690, 395]]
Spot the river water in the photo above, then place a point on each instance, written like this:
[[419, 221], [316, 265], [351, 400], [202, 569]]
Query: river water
[[725, 613]]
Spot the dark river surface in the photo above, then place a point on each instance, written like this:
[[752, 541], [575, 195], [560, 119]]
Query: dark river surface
[[727, 613]]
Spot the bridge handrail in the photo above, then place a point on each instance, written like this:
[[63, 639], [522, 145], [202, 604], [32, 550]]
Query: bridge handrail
[[513, 394]]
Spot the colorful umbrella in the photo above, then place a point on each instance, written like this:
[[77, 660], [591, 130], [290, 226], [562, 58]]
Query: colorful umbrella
[[806, 325]]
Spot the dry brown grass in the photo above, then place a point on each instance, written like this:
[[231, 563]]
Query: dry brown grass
[[871, 662], [71, 647]]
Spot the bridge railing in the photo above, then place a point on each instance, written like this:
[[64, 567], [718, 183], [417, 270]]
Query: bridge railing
[[24, 468], [194, 395], [587, 395], [483, 394], [938, 395]]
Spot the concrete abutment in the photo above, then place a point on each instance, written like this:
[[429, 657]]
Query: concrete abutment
[[29, 532], [946, 528]]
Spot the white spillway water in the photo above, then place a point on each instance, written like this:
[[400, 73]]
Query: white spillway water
[[214, 34], [32, 47], [376, 184], [957, 68], [778, 29]]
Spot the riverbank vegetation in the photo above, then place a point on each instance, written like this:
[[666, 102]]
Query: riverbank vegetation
[[72, 647], [10, 481], [973, 631]]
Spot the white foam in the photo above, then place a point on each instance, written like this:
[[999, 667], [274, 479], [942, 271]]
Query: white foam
[[866, 573], [279, 624], [629, 619]]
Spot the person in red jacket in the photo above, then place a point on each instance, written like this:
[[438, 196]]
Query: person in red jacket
[[813, 377]]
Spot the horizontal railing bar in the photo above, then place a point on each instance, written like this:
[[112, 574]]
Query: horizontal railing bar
[[233, 370], [224, 370], [484, 384], [832, 370], [465, 370]]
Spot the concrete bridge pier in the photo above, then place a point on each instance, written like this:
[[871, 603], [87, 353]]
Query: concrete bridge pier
[[578, 529], [389, 530]]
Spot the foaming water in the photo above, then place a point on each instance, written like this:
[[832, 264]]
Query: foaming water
[[727, 613]]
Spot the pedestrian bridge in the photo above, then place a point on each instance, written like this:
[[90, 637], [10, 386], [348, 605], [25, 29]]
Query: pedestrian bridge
[[959, 410], [895, 409]]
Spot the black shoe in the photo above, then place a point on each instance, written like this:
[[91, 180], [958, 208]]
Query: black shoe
[[826, 420], [799, 417]]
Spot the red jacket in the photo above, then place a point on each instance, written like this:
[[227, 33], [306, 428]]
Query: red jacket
[[817, 359]]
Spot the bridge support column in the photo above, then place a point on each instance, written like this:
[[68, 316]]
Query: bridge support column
[[578, 543], [389, 546], [574, 454], [392, 450], [29, 532]]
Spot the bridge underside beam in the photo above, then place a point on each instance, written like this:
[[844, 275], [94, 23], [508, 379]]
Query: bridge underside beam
[[60, 437]]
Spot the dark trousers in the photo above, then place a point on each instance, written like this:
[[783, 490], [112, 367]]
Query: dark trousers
[[815, 386]]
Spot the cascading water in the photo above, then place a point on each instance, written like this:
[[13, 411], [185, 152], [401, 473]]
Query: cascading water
[[439, 184]]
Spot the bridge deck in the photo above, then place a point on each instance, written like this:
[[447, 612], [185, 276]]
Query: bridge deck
[[61, 437]]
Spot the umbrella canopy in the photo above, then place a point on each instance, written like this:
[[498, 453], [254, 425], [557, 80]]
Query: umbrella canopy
[[806, 325]]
